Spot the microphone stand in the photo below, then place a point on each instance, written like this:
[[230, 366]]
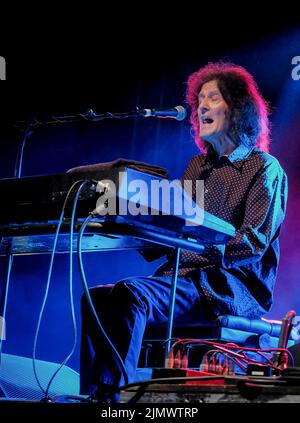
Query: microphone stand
[[89, 116], [19, 160], [27, 131]]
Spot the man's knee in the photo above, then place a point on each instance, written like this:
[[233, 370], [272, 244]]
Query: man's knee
[[99, 296], [129, 291]]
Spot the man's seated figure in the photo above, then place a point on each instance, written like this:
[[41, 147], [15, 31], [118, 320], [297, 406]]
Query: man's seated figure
[[243, 185]]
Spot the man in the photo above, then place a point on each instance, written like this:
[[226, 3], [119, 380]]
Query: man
[[245, 186]]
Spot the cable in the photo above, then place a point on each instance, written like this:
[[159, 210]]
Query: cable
[[48, 283], [227, 355], [241, 355], [231, 345], [64, 362], [89, 299]]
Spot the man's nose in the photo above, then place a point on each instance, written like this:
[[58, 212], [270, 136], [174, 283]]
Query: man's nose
[[203, 106], [203, 109]]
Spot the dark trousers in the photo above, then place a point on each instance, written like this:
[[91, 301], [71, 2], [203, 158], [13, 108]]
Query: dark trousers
[[124, 309]]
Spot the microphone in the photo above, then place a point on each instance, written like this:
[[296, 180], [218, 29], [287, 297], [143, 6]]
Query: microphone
[[178, 113]]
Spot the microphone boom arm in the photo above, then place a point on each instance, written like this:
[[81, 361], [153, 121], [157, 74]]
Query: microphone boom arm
[[178, 113]]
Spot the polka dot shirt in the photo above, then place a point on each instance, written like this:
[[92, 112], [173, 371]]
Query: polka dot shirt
[[248, 189]]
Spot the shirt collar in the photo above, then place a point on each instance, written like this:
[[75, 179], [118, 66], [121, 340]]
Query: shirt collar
[[236, 157]]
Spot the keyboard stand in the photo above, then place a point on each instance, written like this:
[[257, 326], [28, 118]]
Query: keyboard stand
[[137, 235]]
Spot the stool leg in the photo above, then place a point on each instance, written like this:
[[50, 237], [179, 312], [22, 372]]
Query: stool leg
[[4, 288], [171, 308]]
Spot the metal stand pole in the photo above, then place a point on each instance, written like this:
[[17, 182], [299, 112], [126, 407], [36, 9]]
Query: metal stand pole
[[19, 161], [171, 308], [9, 257], [4, 280]]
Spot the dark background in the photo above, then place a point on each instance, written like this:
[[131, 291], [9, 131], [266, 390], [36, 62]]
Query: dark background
[[114, 60]]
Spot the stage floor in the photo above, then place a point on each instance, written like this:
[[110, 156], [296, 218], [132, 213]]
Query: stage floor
[[232, 392]]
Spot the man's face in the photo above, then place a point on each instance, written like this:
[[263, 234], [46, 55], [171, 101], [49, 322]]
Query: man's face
[[212, 112]]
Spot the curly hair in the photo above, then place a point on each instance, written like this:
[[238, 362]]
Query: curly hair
[[248, 116]]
